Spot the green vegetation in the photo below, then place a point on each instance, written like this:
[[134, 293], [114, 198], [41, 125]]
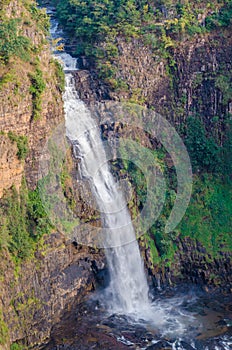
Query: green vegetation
[[24, 222], [19, 51], [207, 220], [37, 87], [159, 21], [39, 16], [59, 75], [3, 330], [7, 78], [208, 217], [204, 152], [22, 144], [221, 18], [16, 346], [12, 42], [160, 25]]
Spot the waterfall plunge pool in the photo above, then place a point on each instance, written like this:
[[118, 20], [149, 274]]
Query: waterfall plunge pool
[[193, 320]]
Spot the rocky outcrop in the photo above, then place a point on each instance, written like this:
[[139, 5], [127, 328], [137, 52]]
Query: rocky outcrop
[[192, 264], [10, 165], [203, 76], [35, 295], [196, 83], [16, 110]]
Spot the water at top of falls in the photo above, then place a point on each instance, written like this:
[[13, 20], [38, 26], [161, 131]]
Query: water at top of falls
[[128, 290]]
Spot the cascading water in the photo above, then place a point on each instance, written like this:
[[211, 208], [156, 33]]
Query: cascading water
[[128, 291], [128, 282], [128, 287]]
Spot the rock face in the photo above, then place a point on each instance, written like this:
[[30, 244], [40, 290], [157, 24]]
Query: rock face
[[16, 117], [203, 72], [192, 264], [196, 85], [35, 296], [10, 165], [16, 110]]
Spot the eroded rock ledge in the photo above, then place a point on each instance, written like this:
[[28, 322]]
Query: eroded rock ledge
[[35, 296]]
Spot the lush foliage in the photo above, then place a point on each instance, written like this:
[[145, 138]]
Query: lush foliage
[[59, 75], [16, 346], [24, 221], [160, 25], [159, 21], [37, 87], [207, 220], [22, 144], [204, 152], [221, 18], [12, 43], [3, 329], [208, 217]]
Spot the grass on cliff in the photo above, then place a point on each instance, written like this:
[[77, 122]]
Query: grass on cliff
[[4, 331], [22, 144], [24, 221], [207, 220], [23, 31]]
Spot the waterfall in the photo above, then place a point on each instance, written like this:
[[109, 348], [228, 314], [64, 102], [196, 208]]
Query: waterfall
[[128, 286], [128, 290]]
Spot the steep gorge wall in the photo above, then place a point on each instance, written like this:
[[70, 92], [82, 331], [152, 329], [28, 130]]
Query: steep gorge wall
[[35, 295], [16, 110], [190, 87], [57, 274], [198, 85]]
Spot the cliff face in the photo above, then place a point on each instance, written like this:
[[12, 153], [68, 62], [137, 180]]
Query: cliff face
[[16, 111], [198, 250], [194, 81], [35, 295], [57, 274], [193, 85]]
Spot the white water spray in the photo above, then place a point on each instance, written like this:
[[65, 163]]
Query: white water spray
[[128, 286], [128, 290]]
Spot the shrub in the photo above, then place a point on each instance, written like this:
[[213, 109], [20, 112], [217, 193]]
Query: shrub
[[11, 42], [204, 152], [16, 346], [24, 221], [3, 330], [22, 144], [36, 89], [59, 75]]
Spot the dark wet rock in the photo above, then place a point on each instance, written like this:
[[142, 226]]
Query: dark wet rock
[[161, 345], [92, 89], [185, 345]]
